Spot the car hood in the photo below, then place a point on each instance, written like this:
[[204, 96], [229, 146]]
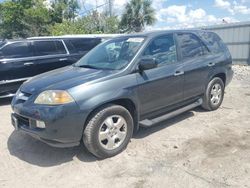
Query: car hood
[[63, 79]]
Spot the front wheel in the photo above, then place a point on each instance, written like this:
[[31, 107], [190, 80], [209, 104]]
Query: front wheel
[[108, 131], [214, 94]]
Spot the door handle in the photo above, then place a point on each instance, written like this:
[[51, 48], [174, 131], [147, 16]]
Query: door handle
[[63, 59], [211, 64], [28, 64], [178, 73]]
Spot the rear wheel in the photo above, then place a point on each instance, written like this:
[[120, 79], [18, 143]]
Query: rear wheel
[[108, 132], [214, 94]]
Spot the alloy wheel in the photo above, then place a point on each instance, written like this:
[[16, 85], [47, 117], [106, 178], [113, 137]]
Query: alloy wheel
[[112, 132]]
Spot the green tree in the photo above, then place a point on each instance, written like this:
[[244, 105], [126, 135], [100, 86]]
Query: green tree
[[58, 7], [23, 18], [64, 10], [71, 11], [137, 14], [11, 20], [67, 28], [37, 19], [92, 24]]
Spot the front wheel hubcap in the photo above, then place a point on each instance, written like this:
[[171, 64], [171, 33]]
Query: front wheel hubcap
[[112, 132], [216, 94]]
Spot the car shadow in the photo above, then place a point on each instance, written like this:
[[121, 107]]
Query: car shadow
[[145, 131], [5, 102], [40, 154], [37, 153]]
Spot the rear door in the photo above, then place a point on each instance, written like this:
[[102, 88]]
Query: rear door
[[161, 87], [195, 58], [50, 54], [17, 61]]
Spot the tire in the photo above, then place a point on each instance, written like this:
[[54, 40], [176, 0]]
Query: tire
[[210, 103], [101, 139]]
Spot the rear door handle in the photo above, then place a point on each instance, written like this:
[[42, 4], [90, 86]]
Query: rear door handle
[[28, 64], [210, 64], [178, 73]]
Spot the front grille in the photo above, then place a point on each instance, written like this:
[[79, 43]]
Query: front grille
[[22, 121]]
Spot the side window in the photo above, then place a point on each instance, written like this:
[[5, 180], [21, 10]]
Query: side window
[[81, 45], [163, 49], [16, 50], [60, 49], [213, 42], [190, 46], [49, 48]]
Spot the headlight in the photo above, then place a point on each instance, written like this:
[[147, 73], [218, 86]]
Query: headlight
[[54, 97]]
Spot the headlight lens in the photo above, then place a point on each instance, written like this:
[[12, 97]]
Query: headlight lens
[[54, 97]]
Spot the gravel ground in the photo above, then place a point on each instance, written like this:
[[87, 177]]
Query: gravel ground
[[195, 149]]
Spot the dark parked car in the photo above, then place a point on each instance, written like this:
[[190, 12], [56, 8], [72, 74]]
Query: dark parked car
[[22, 59], [126, 82]]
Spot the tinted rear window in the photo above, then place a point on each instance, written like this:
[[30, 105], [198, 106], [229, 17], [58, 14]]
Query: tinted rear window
[[49, 48], [16, 50], [213, 42], [80, 45]]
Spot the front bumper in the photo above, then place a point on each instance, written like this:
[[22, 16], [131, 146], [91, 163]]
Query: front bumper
[[63, 123]]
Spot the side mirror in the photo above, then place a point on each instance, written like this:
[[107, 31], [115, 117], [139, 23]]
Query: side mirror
[[147, 63]]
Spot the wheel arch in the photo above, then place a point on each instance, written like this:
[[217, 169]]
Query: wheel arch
[[220, 73], [127, 103], [222, 76]]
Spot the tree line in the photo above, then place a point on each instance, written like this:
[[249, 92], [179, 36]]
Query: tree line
[[26, 18]]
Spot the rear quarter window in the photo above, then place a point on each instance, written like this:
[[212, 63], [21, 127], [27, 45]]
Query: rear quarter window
[[213, 42]]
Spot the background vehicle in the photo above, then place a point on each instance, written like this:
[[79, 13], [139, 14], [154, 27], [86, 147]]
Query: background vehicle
[[126, 82], [22, 59]]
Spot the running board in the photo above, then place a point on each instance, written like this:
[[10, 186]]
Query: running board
[[151, 122]]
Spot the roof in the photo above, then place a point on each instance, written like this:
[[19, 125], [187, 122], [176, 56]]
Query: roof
[[78, 36], [157, 32], [107, 36]]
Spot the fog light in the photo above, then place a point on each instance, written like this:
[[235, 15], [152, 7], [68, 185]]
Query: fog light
[[40, 124]]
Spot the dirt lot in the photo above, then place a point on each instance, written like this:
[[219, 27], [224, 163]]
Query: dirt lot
[[195, 149]]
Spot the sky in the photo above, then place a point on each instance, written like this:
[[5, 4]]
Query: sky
[[173, 14]]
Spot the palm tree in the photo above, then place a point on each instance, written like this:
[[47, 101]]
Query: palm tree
[[137, 14]]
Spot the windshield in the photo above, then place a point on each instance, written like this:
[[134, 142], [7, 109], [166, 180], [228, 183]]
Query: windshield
[[114, 54]]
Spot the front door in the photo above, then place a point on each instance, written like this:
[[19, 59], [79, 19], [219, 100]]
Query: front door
[[162, 86]]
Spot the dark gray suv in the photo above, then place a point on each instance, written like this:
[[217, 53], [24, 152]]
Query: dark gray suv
[[123, 83]]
